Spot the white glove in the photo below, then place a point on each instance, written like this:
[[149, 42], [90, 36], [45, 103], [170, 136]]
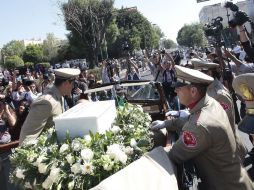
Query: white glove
[[156, 125], [181, 113]]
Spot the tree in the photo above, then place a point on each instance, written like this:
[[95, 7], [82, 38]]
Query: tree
[[50, 48], [135, 29], [191, 35], [168, 43], [87, 21], [14, 47], [13, 62], [33, 53]]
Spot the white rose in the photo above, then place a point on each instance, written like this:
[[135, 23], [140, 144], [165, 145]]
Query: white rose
[[28, 185], [75, 168], [122, 157], [71, 185], [87, 138], [20, 173], [149, 117], [76, 145], [64, 148], [87, 168], [54, 174], [140, 108], [113, 150], [147, 124], [70, 159], [87, 154], [107, 166], [42, 168], [131, 126], [128, 150], [133, 143], [115, 129], [39, 160], [47, 183]]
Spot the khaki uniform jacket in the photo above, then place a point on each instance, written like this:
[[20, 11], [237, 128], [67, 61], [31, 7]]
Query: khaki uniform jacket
[[219, 92], [208, 139], [41, 114]]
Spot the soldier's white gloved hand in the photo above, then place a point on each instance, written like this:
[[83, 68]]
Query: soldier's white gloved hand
[[156, 125], [181, 113]]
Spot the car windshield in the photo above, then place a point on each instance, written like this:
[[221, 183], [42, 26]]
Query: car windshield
[[144, 92]]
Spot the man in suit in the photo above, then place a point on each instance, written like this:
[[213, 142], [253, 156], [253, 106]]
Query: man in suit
[[206, 136], [49, 105]]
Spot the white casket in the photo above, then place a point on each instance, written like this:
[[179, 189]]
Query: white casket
[[85, 117], [151, 172]]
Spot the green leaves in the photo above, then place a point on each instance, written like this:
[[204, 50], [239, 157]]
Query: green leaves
[[191, 35], [82, 163]]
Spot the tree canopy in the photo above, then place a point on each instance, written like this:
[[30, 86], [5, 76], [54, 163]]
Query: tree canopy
[[191, 35], [14, 47], [33, 53], [13, 62]]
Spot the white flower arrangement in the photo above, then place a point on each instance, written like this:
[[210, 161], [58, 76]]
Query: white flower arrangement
[[82, 163]]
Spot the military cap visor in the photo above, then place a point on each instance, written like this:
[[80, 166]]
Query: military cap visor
[[186, 76], [244, 86], [67, 73], [203, 65]]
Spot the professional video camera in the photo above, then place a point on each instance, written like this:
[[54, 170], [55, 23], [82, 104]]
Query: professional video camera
[[240, 17], [214, 28]]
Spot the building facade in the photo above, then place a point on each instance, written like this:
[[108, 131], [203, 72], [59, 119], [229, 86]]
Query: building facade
[[32, 42]]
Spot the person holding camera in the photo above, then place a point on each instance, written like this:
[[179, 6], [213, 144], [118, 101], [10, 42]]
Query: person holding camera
[[240, 18], [7, 121]]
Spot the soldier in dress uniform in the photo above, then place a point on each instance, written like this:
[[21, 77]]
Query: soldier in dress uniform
[[49, 105], [206, 136], [220, 93], [244, 87]]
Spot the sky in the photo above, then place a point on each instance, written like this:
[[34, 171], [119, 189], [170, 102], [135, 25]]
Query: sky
[[28, 19]]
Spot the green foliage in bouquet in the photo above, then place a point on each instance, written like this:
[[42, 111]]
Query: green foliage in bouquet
[[82, 163]]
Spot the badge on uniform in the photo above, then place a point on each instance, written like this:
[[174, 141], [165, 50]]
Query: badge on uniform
[[189, 139], [225, 106]]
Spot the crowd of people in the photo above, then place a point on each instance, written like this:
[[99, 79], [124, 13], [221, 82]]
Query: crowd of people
[[203, 89]]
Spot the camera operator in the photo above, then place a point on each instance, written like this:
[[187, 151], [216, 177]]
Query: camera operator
[[240, 18]]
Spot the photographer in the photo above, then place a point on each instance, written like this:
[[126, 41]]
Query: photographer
[[7, 120]]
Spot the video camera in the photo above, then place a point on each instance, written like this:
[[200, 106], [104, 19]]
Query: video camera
[[240, 17], [214, 28]]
